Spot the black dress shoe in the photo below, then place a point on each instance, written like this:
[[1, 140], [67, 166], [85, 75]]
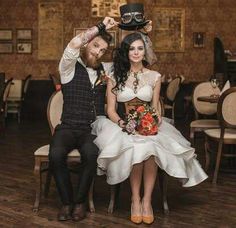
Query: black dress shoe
[[65, 213], [79, 212]]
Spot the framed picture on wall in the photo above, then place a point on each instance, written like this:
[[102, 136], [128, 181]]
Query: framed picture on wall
[[198, 39], [106, 8], [24, 34], [24, 48], [114, 38], [77, 31], [123, 33], [168, 29], [6, 48], [5, 34]]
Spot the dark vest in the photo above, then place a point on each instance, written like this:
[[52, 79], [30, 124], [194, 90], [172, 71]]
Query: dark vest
[[82, 103]]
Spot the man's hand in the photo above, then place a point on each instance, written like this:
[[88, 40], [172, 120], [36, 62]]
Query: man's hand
[[109, 22], [148, 27]]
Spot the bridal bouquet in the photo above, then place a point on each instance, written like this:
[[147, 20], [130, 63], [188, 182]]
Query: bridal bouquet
[[142, 120]]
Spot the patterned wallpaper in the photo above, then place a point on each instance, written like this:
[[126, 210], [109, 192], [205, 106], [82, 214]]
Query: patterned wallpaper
[[213, 17]]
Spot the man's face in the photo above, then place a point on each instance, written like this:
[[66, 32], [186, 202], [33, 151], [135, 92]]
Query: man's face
[[95, 49]]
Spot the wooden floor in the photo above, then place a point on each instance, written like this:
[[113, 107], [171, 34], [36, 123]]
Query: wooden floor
[[200, 206]]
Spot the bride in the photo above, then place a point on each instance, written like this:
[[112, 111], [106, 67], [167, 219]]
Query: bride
[[136, 156]]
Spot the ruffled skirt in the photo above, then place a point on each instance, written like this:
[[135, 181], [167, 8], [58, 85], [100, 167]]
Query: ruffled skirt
[[120, 151]]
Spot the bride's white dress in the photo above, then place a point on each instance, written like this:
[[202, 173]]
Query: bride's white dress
[[120, 151]]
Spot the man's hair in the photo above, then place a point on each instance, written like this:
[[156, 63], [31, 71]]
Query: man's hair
[[106, 37]]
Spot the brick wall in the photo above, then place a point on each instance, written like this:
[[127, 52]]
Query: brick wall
[[213, 17]]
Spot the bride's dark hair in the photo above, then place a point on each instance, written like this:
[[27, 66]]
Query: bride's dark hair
[[121, 60]]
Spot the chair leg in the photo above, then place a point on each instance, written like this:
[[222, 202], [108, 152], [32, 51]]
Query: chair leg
[[114, 189], [192, 136], [173, 113], [163, 180], [18, 116], [91, 203], [37, 174], [48, 183], [218, 161], [207, 162]]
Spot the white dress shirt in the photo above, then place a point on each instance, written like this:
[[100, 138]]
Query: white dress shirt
[[67, 66]]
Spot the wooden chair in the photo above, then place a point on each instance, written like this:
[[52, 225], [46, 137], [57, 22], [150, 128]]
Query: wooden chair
[[26, 85], [171, 92], [56, 81], [17, 96], [226, 134], [3, 101], [203, 108], [162, 175], [54, 111]]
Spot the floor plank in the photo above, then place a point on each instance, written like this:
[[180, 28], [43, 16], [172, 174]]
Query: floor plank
[[200, 206]]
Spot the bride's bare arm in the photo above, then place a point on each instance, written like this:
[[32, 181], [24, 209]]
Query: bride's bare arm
[[111, 105], [156, 96]]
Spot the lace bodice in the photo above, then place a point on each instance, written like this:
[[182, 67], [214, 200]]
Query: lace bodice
[[147, 82]]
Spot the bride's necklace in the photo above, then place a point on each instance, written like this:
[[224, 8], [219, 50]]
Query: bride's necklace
[[136, 79]]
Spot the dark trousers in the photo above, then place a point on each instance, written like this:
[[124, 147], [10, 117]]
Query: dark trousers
[[64, 140]]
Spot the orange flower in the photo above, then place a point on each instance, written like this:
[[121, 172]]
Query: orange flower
[[154, 130], [146, 124], [148, 117], [140, 109]]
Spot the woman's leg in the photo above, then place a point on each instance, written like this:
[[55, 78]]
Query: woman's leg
[[135, 182], [149, 178]]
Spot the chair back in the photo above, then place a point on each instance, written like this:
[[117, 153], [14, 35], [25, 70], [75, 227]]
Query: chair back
[[26, 85], [16, 89], [55, 80], [7, 89], [226, 109], [2, 82], [173, 88], [160, 107], [204, 89], [54, 110]]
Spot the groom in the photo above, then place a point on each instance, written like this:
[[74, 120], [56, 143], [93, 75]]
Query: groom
[[84, 99]]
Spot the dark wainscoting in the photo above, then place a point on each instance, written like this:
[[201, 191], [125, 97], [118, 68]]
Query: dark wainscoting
[[36, 99], [39, 92]]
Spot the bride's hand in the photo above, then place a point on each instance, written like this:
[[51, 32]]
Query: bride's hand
[[121, 123]]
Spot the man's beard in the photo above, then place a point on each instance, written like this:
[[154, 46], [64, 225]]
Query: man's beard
[[89, 60]]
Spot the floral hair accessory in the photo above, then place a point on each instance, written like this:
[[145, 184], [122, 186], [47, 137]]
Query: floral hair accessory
[[142, 120]]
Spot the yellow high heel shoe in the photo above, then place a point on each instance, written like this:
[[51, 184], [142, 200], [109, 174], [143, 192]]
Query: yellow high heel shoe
[[148, 219], [137, 219]]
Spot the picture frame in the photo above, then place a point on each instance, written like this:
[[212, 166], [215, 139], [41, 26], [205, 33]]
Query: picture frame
[[168, 29], [106, 8], [77, 31], [198, 39], [24, 47], [6, 48], [114, 38], [23, 34], [6, 34], [123, 33]]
